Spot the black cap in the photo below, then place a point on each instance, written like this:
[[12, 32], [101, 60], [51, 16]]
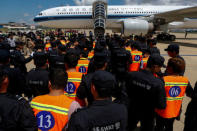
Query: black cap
[[100, 56], [72, 51], [156, 59], [62, 47], [40, 55], [173, 47], [103, 79], [135, 45], [4, 54]]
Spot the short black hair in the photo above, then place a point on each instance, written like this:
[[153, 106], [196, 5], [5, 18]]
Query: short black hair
[[177, 65], [40, 59], [58, 78], [72, 58]]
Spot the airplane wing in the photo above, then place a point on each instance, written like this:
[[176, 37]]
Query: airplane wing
[[178, 15]]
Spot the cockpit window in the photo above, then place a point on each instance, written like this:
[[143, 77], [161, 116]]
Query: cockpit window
[[40, 14]]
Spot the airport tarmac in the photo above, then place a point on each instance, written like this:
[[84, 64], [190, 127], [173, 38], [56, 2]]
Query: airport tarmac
[[188, 49]]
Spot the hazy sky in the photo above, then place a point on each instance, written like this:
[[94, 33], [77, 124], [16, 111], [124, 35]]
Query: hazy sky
[[25, 10]]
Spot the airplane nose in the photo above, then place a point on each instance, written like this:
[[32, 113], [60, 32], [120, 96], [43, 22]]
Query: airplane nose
[[36, 19]]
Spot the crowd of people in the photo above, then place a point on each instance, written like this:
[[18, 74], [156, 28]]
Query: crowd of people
[[79, 83]]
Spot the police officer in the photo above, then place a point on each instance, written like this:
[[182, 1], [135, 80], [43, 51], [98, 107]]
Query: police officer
[[103, 114], [38, 78], [18, 59], [59, 59], [173, 52], [145, 92], [191, 113], [152, 43], [15, 114], [84, 90], [17, 83], [52, 54], [120, 61]]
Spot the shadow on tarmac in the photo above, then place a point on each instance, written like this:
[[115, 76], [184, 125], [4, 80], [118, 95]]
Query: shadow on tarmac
[[180, 43]]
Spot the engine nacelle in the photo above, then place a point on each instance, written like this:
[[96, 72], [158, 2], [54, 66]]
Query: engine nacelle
[[136, 27]]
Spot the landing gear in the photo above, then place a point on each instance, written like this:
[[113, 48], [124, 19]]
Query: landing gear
[[166, 37]]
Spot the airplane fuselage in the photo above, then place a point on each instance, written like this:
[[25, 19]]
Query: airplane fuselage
[[80, 17]]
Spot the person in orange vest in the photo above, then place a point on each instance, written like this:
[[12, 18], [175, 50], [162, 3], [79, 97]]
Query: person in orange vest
[[47, 46], [90, 54], [74, 77], [128, 46], [136, 57], [83, 63], [51, 110], [145, 59], [175, 88]]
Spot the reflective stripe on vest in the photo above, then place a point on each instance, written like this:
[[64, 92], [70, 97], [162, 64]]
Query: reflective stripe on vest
[[63, 42], [175, 87], [51, 108], [82, 65], [70, 95], [74, 79]]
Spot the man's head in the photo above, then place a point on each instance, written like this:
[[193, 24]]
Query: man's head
[[100, 60], [147, 53], [152, 42], [175, 66], [19, 45], [102, 85], [4, 56], [71, 58], [3, 81], [40, 59], [155, 62], [135, 46], [58, 79], [173, 50]]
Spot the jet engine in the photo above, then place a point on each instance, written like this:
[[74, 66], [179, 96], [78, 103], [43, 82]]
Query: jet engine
[[137, 27]]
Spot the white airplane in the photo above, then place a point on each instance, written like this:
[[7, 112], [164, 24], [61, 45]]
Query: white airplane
[[124, 19]]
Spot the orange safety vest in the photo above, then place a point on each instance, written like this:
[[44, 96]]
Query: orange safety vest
[[136, 60], [51, 112], [94, 44], [145, 61], [90, 54], [63, 42], [128, 48], [82, 65], [74, 80], [47, 46], [175, 87]]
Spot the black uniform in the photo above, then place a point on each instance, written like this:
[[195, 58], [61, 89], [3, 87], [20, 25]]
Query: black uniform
[[19, 61], [101, 115], [154, 50], [16, 80], [146, 93], [191, 113], [16, 114], [51, 57], [37, 82], [84, 90]]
